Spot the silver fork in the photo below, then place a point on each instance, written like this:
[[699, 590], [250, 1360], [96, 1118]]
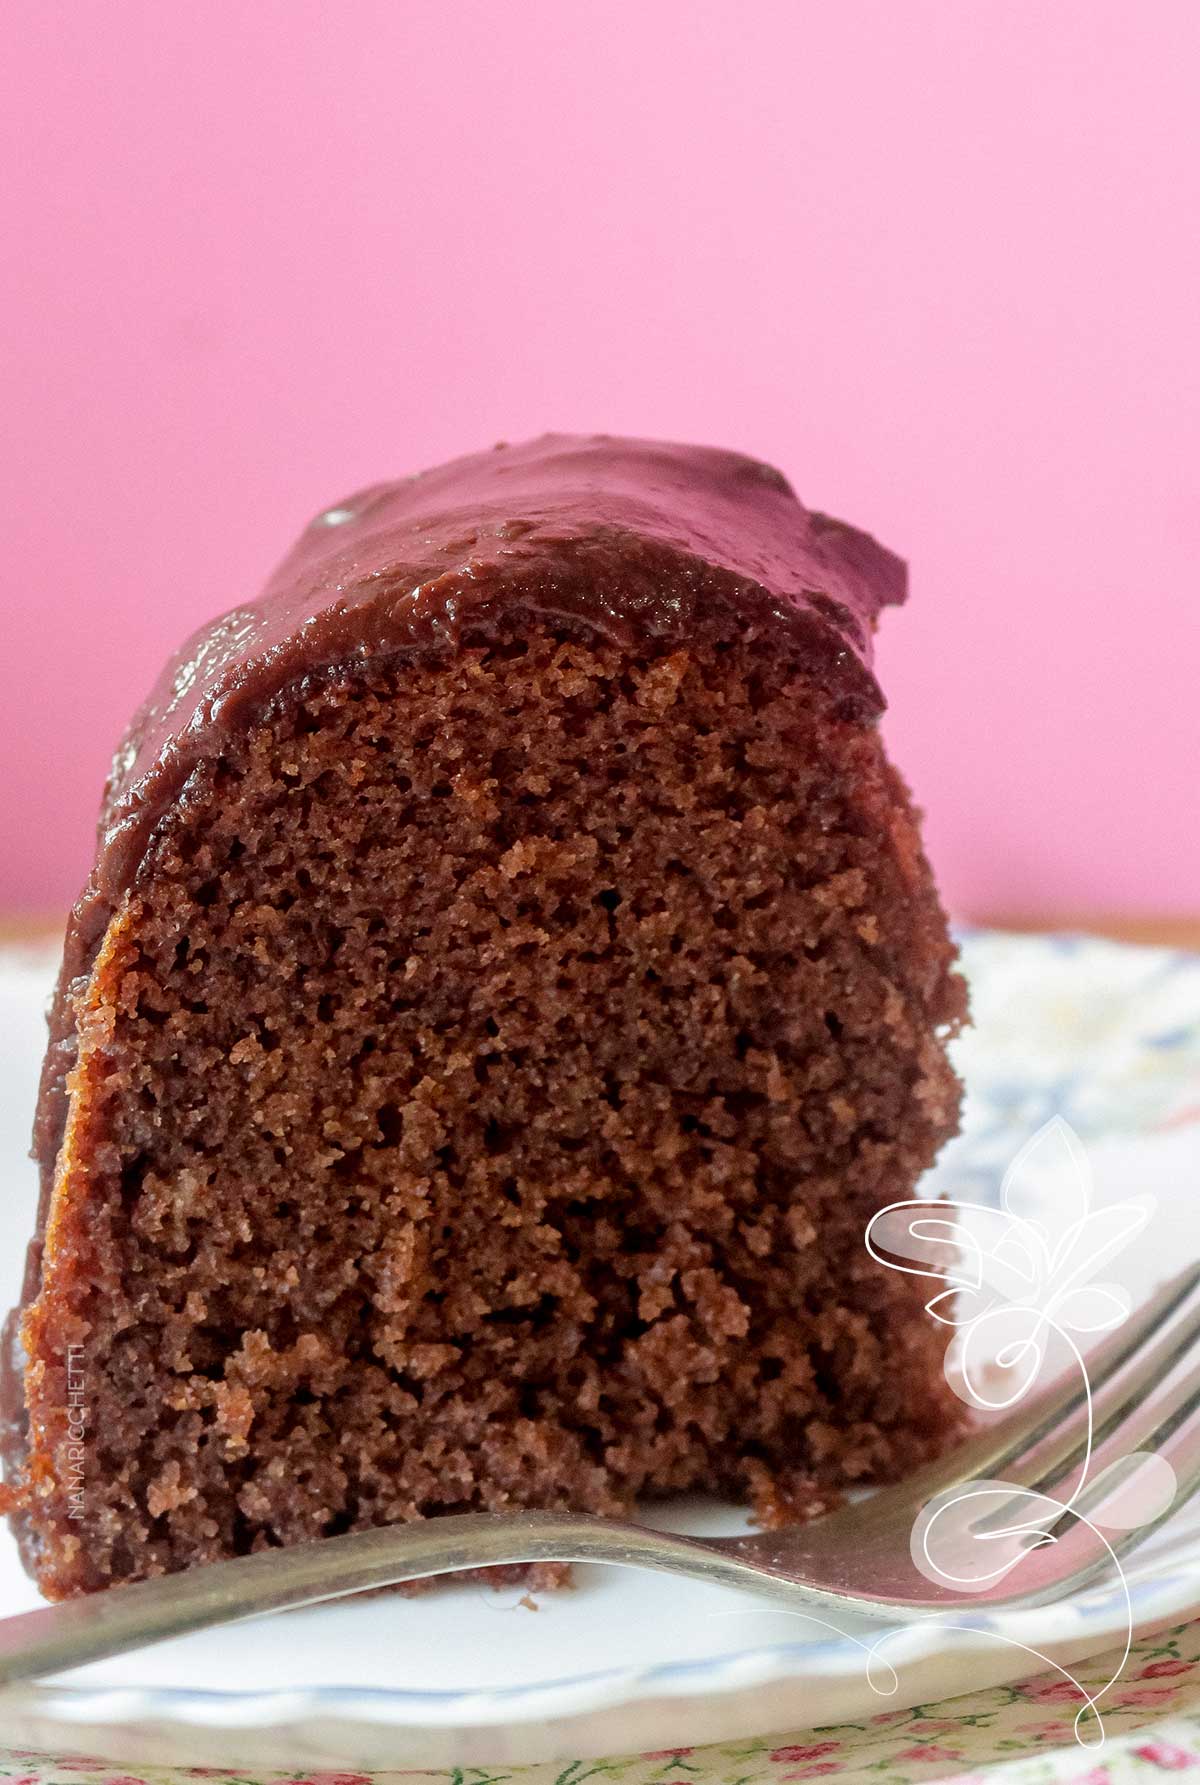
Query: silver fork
[[1145, 1395]]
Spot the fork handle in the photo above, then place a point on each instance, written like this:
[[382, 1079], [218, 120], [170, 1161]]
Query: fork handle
[[125, 1618]]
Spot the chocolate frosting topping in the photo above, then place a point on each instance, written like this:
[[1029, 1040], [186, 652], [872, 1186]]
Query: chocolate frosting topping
[[636, 541]]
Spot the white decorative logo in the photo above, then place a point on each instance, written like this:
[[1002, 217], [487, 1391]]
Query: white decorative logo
[[1021, 1288]]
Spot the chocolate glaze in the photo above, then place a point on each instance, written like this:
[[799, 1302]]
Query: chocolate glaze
[[639, 542]]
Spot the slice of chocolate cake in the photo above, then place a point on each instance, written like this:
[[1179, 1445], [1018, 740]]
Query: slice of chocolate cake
[[509, 983]]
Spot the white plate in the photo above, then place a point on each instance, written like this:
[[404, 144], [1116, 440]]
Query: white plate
[[1105, 1036]]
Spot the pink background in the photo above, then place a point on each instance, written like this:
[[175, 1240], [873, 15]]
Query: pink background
[[938, 260]]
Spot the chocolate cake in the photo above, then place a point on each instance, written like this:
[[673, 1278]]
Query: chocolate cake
[[509, 982]]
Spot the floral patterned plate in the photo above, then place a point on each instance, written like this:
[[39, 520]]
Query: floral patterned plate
[[1105, 1037]]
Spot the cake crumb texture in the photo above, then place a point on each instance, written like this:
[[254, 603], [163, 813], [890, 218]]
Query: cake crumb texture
[[481, 1094]]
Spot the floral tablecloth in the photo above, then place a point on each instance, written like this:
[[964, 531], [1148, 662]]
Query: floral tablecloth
[[1022, 1735]]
